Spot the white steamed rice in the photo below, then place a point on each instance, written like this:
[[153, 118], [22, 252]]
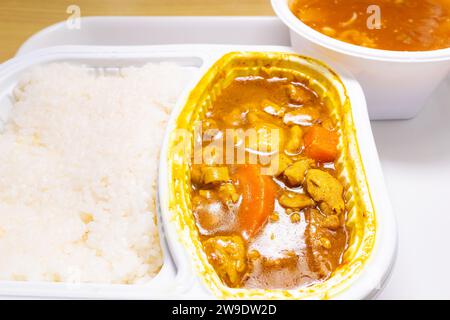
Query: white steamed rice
[[78, 169]]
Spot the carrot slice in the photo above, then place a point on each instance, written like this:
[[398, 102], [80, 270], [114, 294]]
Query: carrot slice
[[258, 199], [321, 144]]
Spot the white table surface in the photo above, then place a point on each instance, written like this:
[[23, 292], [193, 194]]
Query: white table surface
[[415, 157], [415, 154]]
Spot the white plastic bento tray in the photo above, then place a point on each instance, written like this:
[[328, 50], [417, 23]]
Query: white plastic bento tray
[[414, 154], [177, 278]]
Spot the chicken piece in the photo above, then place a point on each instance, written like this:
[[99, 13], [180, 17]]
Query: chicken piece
[[227, 254], [327, 208], [324, 246], [325, 242], [300, 94], [296, 172], [331, 222], [327, 190], [215, 175], [227, 192], [295, 141], [295, 200], [283, 163]]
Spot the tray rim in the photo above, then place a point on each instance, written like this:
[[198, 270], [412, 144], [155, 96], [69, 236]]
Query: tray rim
[[31, 43]]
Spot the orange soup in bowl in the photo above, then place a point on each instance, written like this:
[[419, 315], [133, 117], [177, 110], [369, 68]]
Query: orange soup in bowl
[[399, 25]]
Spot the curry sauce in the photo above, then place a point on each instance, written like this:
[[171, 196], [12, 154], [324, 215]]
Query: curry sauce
[[279, 228]]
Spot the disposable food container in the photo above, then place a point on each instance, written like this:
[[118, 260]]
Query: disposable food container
[[186, 274], [396, 84], [370, 222]]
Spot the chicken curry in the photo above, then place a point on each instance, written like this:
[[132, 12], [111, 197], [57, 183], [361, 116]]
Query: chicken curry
[[269, 226], [400, 25]]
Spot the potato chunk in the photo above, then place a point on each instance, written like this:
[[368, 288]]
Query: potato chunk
[[300, 94], [215, 174], [283, 163], [327, 190], [295, 200], [295, 141], [228, 193], [296, 172], [228, 256]]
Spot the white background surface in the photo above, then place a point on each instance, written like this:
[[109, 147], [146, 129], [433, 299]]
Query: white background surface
[[415, 154], [415, 157]]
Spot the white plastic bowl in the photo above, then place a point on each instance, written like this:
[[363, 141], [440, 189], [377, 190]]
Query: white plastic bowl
[[396, 83]]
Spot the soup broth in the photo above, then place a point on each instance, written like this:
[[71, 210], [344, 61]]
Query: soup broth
[[399, 25]]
